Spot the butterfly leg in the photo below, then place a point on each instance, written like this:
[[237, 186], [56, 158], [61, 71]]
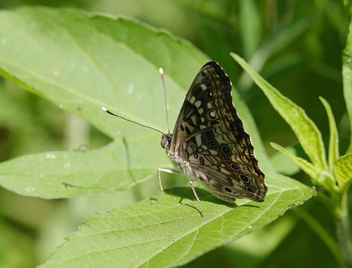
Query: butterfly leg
[[195, 194], [161, 186]]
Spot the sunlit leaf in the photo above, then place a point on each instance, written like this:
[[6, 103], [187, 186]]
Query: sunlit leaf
[[347, 74], [67, 174], [283, 164], [307, 167], [334, 136], [81, 62], [172, 232], [343, 170]]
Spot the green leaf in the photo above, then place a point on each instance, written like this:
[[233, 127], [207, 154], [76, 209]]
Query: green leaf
[[334, 136], [307, 167], [322, 177], [81, 62], [343, 171], [347, 75], [172, 232], [112, 168], [283, 164], [306, 131]]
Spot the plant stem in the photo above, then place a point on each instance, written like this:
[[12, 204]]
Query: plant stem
[[342, 227]]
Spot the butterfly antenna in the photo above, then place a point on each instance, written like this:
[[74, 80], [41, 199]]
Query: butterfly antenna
[[161, 72], [119, 116]]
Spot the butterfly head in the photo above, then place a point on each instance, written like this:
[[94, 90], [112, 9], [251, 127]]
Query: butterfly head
[[166, 141]]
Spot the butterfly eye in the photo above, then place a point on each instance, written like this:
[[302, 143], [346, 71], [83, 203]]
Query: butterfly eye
[[228, 190], [208, 134], [213, 143], [210, 94], [234, 167], [249, 189], [244, 178], [225, 149], [226, 158]]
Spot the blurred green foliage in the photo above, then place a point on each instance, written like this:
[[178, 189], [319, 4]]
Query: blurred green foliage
[[295, 45]]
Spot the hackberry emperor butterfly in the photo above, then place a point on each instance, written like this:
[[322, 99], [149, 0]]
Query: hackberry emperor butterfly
[[209, 142]]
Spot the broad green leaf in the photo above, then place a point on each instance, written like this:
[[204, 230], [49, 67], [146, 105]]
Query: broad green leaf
[[81, 62], [112, 168], [306, 131], [334, 136], [250, 27], [347, 75], [343, 171], [172, 232]]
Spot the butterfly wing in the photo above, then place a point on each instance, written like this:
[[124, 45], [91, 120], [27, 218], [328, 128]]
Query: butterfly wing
[[209, 135]]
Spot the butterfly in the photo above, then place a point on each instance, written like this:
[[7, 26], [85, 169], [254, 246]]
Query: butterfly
[[209, 143]]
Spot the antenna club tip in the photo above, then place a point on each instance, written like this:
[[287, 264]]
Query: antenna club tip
[[161, 71], [104, 109]]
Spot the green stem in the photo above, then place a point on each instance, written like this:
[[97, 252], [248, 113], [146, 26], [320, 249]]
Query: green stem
[[321, 232], [342, 226]]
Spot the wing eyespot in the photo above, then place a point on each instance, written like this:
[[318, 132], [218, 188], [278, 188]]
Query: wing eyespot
[[210, 94], [225, 149], [212, 143], [226, 158], [234, 167], [249, 189], [212, 114], [244, 178], [208, 134], [227, 189]]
